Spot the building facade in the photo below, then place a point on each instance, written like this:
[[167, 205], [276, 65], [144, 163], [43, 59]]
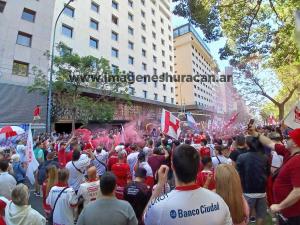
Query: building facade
[[135, 36], [193, 57], [25, 28]]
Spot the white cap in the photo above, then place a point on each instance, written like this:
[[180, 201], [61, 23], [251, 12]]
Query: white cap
[[119, 148]]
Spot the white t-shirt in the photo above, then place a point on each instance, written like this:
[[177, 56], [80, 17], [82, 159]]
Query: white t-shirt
[[102, 157], [76, 178], [63, 212], [132, 159], [220, 159], [189, 207], [90, 191], [7, 184]]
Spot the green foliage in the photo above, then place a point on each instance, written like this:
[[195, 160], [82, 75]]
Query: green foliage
[[76, 78]]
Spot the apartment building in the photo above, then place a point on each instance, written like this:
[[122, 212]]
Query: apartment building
[[135, 36], [193, 57], [25, 28]]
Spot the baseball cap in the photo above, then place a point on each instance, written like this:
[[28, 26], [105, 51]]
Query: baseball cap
[[295, 136]]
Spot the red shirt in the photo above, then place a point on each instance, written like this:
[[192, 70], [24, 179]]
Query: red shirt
[[47, 208], [281, 150], [111, 161], [287, 179], [64, 157], [37, 111], [122, 172], [155, 161], [204, 151], [202, 177]]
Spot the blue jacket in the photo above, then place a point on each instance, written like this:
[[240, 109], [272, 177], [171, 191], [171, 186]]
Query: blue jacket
[[19, 171]]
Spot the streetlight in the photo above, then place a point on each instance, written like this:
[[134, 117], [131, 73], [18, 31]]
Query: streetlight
[[49, 108]]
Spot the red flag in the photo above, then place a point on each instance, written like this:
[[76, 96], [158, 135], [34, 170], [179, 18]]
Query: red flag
[[170, 124], [231, 121]]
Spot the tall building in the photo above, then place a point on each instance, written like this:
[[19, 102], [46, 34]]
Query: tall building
[[25, 28], [193, 57], [134, 35]]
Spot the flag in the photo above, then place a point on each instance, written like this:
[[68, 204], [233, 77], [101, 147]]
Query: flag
[[170, 124], [271, 120], [31, 160], [122, 135], [231, 121], [191, 121], [293, 118]]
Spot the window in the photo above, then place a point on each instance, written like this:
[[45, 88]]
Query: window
[[130, 60], [94, 42], [172, 89], [169, 27], [2, 6], [130, 16], [164, 87], [69, 11], [144, 66], [24, 39], [165, 98], [130, 30], [154, 59], [145, 94], [114, 69], [130, 45], [162, 20], [164, 64], [65, 51], [154, 47], [155, 96], [162, 30], [143, 39], [163, 42], [143, 26], [114, 36], [143, 2], [163, 53], [115, 5], [171, 68], [94, 24], [67, 31], [28, 15], [143, 13], [170, 57], [170, 38], [114, 19], [132, 90], [153, 12], [95, 7], [172, 100], [155, 73], [154, 35], [115, 52], [144, 52], [20, 68], [153, 23], [170, 47], [130, 3]]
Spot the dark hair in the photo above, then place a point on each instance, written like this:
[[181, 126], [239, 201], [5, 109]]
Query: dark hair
[[62, 175], [240, 140], [254, 144], [107, 183], [150, 142], [186, 163], [218, 148], [141, 172], [205, 160], [176, 142], [187, 141], [204, 141], [4, 165], [142, 156], [156, 151], [76, 155], [99, 149]]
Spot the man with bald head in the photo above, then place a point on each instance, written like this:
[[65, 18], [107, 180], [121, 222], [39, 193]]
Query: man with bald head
[[90, 190]]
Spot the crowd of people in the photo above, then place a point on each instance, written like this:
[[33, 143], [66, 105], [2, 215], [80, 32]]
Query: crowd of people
[[198, 179]]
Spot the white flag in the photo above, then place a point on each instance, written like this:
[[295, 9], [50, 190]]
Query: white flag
[[170, 124], [31, 160], [293, 118]]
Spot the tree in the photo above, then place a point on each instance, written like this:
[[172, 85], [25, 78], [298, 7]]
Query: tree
[[257, 85], [256, 27], [74, 76]]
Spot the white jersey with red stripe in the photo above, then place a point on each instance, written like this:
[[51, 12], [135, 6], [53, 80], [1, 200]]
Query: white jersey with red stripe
[[188, 205]]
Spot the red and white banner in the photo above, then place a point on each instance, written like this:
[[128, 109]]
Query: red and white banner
[[170, 124], [31, 160], [293, 118]]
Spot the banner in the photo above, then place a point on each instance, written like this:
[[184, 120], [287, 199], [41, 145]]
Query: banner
[[170, 124], [31, 160], [293, 118], [231, 121], [191, 121], [122, 135]]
